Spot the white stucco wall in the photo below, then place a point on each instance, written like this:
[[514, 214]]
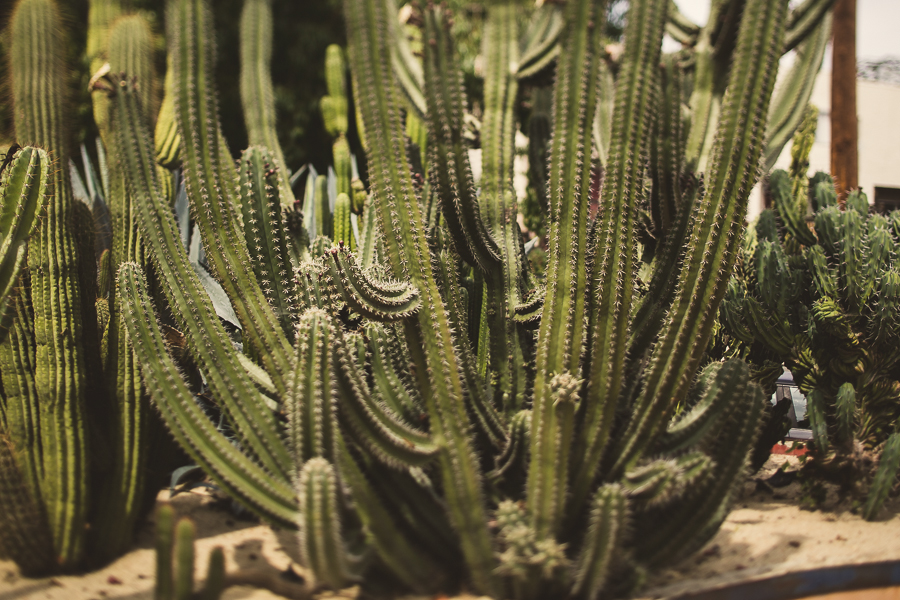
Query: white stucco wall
[[878, 108]]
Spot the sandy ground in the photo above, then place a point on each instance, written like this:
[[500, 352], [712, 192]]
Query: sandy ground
[[765, 535]]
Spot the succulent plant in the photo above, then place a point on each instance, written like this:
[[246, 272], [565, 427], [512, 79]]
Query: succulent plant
[[75, 424], [414, 391], [423, 404], [818, 294]]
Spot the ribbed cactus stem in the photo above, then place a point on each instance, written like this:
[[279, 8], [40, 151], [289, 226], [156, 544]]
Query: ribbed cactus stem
[[498, 200], [265, 233], [310, 405], [257, 488], [38, 87], [188, 299], [608, 522], [24, 534], [615, 250], [717, 228], [562, 331], [120, 498], [23, 196], [320, 526], [257, 95], [429, 336], [211, 182]]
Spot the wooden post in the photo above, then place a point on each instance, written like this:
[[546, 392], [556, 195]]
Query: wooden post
[[844, 134]]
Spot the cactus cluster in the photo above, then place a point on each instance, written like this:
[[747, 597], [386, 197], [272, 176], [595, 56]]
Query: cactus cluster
[[816, 290], [409, 396], [75, 423]]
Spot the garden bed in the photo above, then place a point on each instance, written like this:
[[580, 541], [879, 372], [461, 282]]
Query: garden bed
[[766, 534]]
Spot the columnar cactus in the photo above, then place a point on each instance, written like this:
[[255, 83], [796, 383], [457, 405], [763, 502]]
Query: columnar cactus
[[424, 398], [67, 368]]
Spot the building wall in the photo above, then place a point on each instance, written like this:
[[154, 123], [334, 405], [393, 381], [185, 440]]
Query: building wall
[[878, 108]]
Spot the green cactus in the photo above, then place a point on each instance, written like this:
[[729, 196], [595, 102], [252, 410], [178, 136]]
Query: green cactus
[[829, 315], [61, 319], [23, 196], [424, 400]]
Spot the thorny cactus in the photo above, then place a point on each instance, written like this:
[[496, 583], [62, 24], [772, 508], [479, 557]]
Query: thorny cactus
[[823, 300], [425, 404], [73, 420]]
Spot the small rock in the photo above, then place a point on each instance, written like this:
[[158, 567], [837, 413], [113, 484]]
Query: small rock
[[113, 580], [739, 567], [252, 556], [55, 582], [794, 543]]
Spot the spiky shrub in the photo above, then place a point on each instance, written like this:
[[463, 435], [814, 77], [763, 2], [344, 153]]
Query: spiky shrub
[[823, 301], [468, 424], [72, 416]]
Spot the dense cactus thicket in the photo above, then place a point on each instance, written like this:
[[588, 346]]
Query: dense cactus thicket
[[388, 376], [817, 291]]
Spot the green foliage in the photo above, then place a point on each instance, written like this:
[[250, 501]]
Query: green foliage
[[426, 400], [822, 302]]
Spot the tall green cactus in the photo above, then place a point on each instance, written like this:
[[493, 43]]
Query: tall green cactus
[[68, 369], [425, 418], [60, 326]]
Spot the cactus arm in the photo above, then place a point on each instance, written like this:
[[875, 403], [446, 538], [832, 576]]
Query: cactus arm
[[498, 200], [449, 165], [885, 477], [210, 179], [23, 197], [268, 495], [667, 149], [320, 526], [514, 458], [698, 514], [792, 212], [374, 424], [38, 98], [429, 336], [562, 328], [310, 406], [166, 136], [651, 311], [792, 97], [183, 553], [406, 67], [541, 43], [681, 28], [606, 530], [343, 233], [257, 96], [19, 399], [717, 228], [386, 301], [804, 19], [726, 383], [388, 383], [188, 300], [478, 402], [412, 566], [265, 233], [615, 245]]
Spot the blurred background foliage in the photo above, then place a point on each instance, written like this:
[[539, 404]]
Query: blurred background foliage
[[302, 31]]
